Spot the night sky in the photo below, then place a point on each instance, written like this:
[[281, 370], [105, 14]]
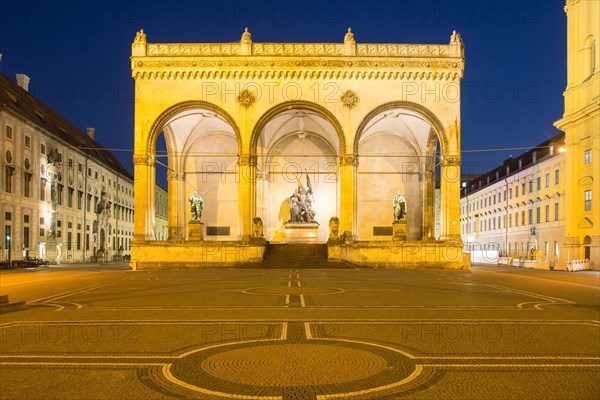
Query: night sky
[[77, 55]]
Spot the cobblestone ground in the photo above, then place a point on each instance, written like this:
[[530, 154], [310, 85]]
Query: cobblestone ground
[[105, 332]]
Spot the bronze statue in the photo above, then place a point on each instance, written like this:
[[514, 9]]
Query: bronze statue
[[196, 204]]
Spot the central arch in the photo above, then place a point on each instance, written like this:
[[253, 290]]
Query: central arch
[[296, 144]]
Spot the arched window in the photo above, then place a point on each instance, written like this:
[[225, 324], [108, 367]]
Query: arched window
[[589, 57]]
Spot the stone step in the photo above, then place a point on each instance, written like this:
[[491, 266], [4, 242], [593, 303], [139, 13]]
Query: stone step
[[300, 255]]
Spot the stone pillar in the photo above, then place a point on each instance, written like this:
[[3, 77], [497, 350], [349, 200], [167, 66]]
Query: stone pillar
[[143, 197], [348, 165], [246, 194], [428, 187], [450, 198], [176, 196]]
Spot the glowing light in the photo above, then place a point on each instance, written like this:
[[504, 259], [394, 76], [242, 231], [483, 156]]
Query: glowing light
[[562, 149]]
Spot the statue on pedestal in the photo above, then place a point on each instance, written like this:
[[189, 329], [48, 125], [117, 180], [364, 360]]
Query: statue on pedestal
[[301, 204], [399, 205], [196, 205]]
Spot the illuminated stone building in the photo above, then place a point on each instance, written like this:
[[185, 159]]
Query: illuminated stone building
[[247, 123], [518, 209], [581, 124], [63, 197]]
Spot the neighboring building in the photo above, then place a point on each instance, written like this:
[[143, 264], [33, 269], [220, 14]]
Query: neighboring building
[[581, 124], [161, 209], [518, 209], [62, 195]]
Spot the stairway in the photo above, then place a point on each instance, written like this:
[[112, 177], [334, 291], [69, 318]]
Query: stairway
[[298, 255], [6, 306]]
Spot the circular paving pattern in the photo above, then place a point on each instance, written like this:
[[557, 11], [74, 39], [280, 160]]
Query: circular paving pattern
[[285, 290], [294, 365], [298, 369]]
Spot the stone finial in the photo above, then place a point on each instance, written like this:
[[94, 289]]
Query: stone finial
[[455, 38], [246, 36], [140, 37], [349, 37]]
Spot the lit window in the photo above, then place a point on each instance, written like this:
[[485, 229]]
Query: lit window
[[587, 196], [587, 156]]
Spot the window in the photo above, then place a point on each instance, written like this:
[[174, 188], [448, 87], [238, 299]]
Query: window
[[27, 184], [87, 241], [42, 232], [556, 177], [42, 148], [509, 220], [547, 212], [523, 188], [523, 218], [531, 185], [547, 179], [556, 211], [70, 163], [89, 172], [510, 193], [78, 240], [9, 132], [7, 216], [69, 237], [545, 248], [516, 191], [42, 221], [530, 215], [587, 198], [27, 141], [516, 219], [70, 197], [26, 218], [79, 199], [60, 195], [538, 215], [80, 167], [539, 182], [42, 189], [8, 178], [555, 248], [587, 156], [89, 200]]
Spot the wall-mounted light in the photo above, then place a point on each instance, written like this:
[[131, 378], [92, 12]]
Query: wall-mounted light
[[562, 149]]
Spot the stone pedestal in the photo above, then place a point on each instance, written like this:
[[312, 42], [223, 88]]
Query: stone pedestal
[[399, 230], [195, 230], [305, 232]]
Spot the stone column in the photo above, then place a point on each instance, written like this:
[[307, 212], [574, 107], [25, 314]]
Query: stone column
[[246, 194], [428, 187], [348, 165], [450, 198], [143, 197], [176, 197]]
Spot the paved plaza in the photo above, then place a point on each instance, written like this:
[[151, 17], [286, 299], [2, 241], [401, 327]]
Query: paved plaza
[[106, 332]]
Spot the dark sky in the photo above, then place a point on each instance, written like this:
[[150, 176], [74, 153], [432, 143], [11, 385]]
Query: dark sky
[[77, 55]]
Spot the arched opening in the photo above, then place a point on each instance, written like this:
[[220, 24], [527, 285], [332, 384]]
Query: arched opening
[[297, 146], [397, 149], [199, 154]]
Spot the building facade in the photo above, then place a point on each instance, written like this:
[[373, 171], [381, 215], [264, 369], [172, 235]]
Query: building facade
[[63, 197], [581, 124], [518, 209], [247, 123]]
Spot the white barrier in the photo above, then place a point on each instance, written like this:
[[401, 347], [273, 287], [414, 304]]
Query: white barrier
[[578, 265]]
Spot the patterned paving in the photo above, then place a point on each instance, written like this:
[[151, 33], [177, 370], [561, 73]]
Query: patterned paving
[[493, 333]]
